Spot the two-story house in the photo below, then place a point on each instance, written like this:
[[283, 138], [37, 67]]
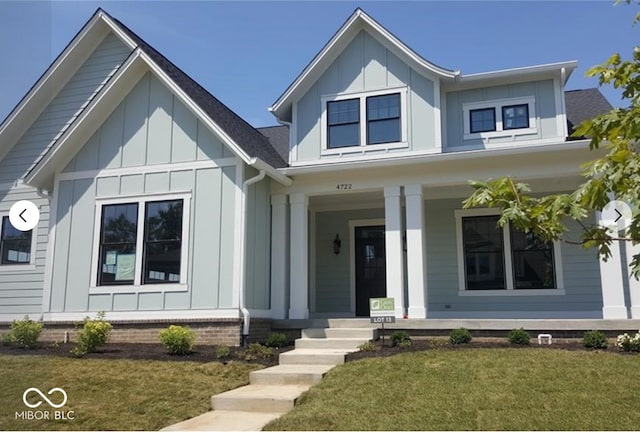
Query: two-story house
[[159, 204]]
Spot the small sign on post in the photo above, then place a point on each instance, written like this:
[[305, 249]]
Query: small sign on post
[[382, 310]]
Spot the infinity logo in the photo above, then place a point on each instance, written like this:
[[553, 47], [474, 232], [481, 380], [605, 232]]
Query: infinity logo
[[44, 397]]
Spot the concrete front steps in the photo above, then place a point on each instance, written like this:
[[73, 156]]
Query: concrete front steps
[[274, 391]]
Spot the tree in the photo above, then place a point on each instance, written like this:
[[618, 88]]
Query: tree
[[617, 173]]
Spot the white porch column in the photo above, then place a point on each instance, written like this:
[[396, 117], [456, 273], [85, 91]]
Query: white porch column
[[613, 306], [393, 247], [416, 277], [299, 287], [279, 256], [634, 285]]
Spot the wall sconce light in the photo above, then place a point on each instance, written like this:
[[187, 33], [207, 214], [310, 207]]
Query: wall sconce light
[[337, 244]]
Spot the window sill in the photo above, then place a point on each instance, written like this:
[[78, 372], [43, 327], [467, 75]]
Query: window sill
[[501, 134], [365, 149], [17, 268], [515, 292], [146, 288]]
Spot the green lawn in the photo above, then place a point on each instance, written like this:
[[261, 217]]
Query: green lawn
[[480, 389], [114, 394]]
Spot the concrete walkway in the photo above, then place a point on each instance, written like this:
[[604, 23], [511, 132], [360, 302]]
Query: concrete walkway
[[273, 391]]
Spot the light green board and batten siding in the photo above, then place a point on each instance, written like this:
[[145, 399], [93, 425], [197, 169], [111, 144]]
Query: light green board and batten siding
[[148, 128], [366, 65], [21, 291], [545, 112]]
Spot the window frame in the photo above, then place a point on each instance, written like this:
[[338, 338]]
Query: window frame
[[500, 130], [138, 285], [513, 106], [370, 121], [363, 147], [357, 123], [31, 265], [510, 289], [495, 120]]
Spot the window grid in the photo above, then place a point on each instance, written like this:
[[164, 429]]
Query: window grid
[[343, 123], [515, 116], [482, 120], [383, 119]]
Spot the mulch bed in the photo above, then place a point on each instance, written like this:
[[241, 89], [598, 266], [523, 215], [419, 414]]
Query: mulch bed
[[154, 352], [422, 344]]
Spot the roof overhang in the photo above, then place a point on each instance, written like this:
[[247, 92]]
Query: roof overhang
[[56, 77], [117, 88], [358, 21]]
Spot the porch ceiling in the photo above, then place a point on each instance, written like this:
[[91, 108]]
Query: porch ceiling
[[355, 199]]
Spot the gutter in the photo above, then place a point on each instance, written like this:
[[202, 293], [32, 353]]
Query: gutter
[[246, 316]]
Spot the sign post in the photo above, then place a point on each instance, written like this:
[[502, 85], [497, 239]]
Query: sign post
[[382, 310]]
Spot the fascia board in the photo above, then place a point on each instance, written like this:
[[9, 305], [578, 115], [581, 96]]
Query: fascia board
[[271, 172], [51, 82], [88, 121], [335, 166]]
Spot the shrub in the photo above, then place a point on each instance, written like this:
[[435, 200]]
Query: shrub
[[259, 350], [94, 333], [405, 344], [460, 336], [178, 340], [628, 343], [399, 337], [369, 346], [594, 340], [222, 351], [25, 332], [276, 339], [518, 336]]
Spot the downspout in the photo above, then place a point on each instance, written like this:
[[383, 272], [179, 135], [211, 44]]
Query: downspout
[[246, 316]]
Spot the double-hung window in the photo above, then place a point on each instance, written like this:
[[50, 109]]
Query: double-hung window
[[142, 242], [364, 121], [15, 245], [502, 259]]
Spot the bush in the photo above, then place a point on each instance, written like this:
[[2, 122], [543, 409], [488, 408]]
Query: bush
[[25, 332], [518, 336], [178, 340], [369, 346], [94, 333], [276, 339], [400, 337], [460, 336], [628, 343], [594, 340], [222, 352], [259, 350]]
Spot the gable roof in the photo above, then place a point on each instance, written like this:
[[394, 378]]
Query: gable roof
[[246, 136], [244, 140], [584, 104], [279, 138]]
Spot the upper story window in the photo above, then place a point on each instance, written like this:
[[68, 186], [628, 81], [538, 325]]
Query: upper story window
[[15, 245], [500, 117], [364, 121], [343, 123], [383, 119]]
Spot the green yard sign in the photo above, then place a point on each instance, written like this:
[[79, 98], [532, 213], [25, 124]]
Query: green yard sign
[[382, 310]]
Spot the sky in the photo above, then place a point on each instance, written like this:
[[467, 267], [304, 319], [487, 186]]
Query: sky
[[246, 53]]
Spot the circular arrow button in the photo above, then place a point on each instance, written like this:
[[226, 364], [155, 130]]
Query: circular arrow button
[[24, 215]]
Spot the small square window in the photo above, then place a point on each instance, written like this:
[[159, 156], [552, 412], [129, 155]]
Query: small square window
[[515, 116], [482, 120], [343, 123]]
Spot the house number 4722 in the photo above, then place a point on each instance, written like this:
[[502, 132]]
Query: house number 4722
[[343, 186]]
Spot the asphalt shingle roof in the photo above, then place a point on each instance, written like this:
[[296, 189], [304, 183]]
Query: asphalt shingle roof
[[243, 134], [279, 138], [584, 104]]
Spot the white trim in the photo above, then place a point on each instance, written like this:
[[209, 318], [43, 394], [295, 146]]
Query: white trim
[[486, 146], [561, 116], [417, 286], [394, 255], [437, 115], [513, 318], [500, 131], [51, 242], [312, 260], [293, 137], [513, 72], [239, 230], [352, 256], [146, 169], [510, 290], [141, 200], [363, 147], [112, 316], [299, 256]]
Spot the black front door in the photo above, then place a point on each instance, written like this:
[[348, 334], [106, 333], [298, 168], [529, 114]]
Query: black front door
[[371, 275]]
